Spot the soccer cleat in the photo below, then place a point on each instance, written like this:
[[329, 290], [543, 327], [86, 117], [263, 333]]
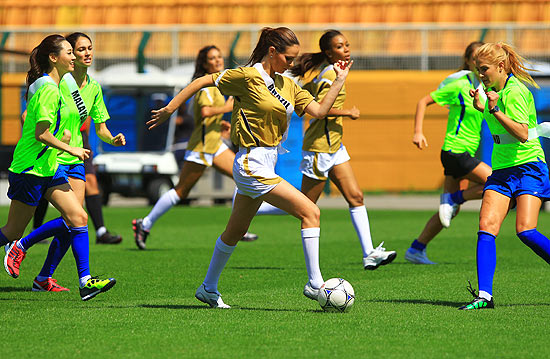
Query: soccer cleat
[[94, 286], [140, 234], [249, 237], [311, 292], [379, 256], [13, 258], [108, 238], [417, 257], [213, 299], [447, 209], [478, 302], [48, 285]]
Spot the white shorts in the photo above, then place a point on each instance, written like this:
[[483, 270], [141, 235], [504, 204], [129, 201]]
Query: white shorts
[[254, 171], [203, 158], [317, 165]]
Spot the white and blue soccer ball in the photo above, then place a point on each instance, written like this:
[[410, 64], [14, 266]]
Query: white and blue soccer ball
[[336, 295]]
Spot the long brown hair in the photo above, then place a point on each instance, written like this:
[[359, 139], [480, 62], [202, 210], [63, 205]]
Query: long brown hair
[[280, 38], [470, 49], [200, 62], [499, 52], [39, 59], [312, 60]]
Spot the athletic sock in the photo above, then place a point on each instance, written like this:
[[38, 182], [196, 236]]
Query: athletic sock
[[222, 253], [165, 202], [3, 239], [268, 209], [58, 247], [47, 230], [486, 261], [418, 245], [40, 278], [310, 242], [81, 250], [360, 220], [537, 242], [93, 205], [458, 197], [100, 231]]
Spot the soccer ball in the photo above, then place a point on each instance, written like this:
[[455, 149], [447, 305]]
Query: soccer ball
[[336, 295]]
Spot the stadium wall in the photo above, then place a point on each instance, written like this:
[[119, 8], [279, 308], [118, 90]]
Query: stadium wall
[[380, 142]]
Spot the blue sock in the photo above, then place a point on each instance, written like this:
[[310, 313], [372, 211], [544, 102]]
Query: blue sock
[[47, 230], [458, 197], [3, 239], [417, 245], [81, 250], [537, 242], [486, 261], [58, 247]]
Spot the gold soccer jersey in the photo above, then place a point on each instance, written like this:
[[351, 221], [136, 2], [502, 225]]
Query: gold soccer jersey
[[260, 113], [325, 135], [206, 134]]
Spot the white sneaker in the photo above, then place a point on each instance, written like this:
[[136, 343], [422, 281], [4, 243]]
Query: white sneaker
[[379, 256], [311, 292], [417, 257], [447, 209], [213, 299]]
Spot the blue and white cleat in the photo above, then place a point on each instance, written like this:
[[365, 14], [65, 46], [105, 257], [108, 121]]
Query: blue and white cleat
[[447, 209], [417, 257], [213, 299], [311, 292]]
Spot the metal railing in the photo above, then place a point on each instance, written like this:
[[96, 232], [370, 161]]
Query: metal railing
[[387, 46]]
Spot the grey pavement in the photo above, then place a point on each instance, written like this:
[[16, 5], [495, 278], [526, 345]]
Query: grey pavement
[[389, 201]]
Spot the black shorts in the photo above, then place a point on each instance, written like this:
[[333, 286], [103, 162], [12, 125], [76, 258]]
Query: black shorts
[[88, 163], [458, 164]]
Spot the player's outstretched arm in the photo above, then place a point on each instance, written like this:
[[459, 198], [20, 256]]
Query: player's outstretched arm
[[321, 109], [352, 113], [159, 116], [418, 138]]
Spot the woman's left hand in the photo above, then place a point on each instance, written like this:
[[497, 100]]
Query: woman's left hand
[[492, 99], [118, 140], [342, 68]]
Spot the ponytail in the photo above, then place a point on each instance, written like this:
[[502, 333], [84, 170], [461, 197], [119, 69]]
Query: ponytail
[[39, 59], [280, 38], [499, 52], [309, 61]]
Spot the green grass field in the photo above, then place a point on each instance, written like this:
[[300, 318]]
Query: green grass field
[[401, 310]]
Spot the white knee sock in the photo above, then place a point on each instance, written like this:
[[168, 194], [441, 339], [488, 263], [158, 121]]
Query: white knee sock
[[360, 221], [165, 202], [310, 242], [266, 209], [221, 255]]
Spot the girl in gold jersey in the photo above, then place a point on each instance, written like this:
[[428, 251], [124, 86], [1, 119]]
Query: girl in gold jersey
[[204, 149], [264, 102], [324, 155]]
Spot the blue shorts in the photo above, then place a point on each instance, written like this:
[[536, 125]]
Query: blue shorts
[[528, 178], [74, 171], [29, 189]]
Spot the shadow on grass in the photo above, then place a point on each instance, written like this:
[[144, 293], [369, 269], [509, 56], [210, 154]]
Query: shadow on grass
[[14, 289], [174, 306], [135, 249], [441, 303], [258, 268]]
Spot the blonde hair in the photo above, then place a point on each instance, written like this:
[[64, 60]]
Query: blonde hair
[[513, 62]]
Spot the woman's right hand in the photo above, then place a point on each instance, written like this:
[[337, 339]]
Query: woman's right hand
[[419, 140], [478, 105], [158, 117], [81, 153], [228, 107]]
